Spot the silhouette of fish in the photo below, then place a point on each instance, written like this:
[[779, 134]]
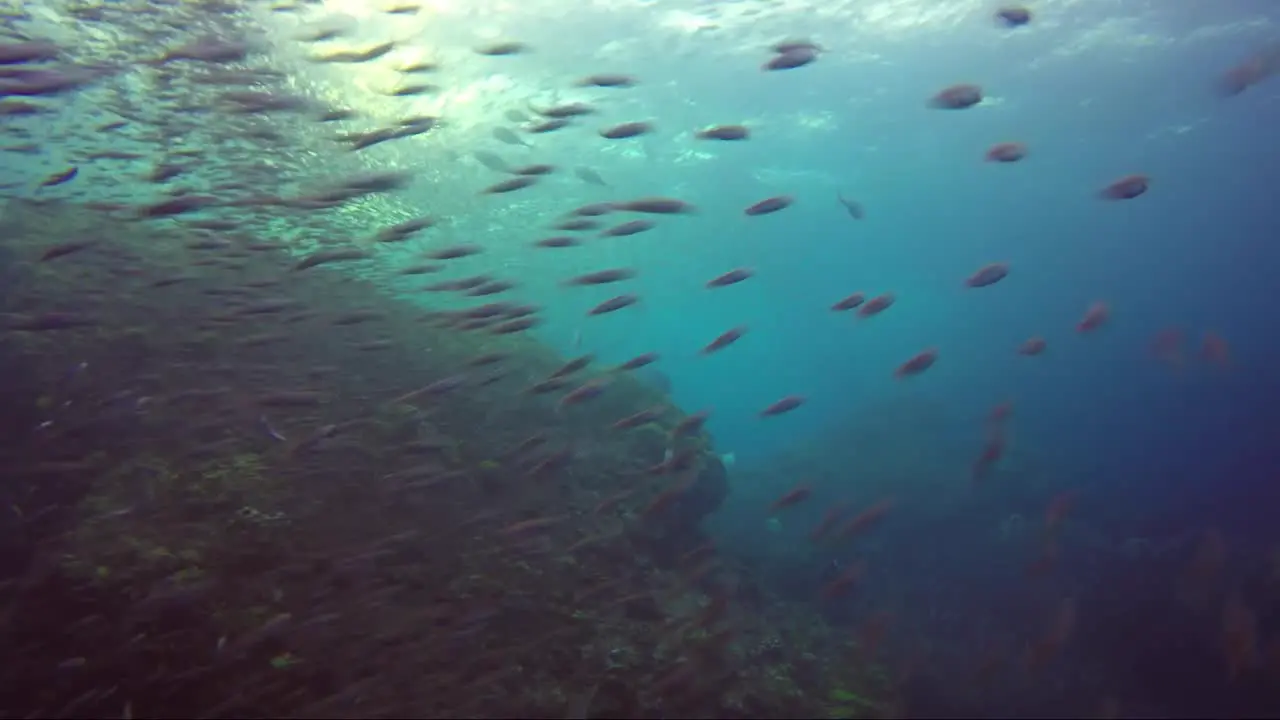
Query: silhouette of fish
[[654, 378]]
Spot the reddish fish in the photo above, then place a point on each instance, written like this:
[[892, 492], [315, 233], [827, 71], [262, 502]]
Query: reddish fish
[[639, 361], [876, 305], [1059, 507], [917, 364], [784, 405], [956, 97], [584, 392], [1032, 346], [643, 417], [1126, 188], [769, 205], [725, 339], [796, 495], [988, 275], [531, 525], [1214, 349], [615, 303], [1094, 317], [850, 302], [866, 519], [1000, 413], [828, 521], [992, 451], [59, 178], [845, 582], [691, 425], [1006, 152]]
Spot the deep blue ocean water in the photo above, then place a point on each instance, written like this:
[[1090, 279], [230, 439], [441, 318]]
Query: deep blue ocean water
[[1154, 453]]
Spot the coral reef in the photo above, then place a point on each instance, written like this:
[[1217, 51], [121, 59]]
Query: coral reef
[[242, 503]]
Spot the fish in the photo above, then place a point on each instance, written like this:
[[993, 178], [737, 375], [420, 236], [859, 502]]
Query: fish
[[46, 321], [876, 305], [509, 137], [577, 224], [325, 257], [567, 110], [454, 252], [642, 417], [631, 227], [547, 126], [491, 161], [794, 44], [731, 277], [589, 176], [852, 207], [866, 519], [1013, 16], [1006, 152], [614, 304], [725, 339], [1214, 349], [535, 169], [67, 248], [1094, 317], [992, 451], [723, 132], [587, 391], [849, 302], [61, 177], [956, 97], [783, 405], [1126, 188], [987, 275], [573, 366], [1251, 71], [559, 241], [917, 364], [602, 277], [404, 230], [28, 51], [608, 80], [640, 361], [690, 425], [792, 58], [503, 48], [176, 206], [1032, 346], [656, 206], [412, 90], [514, 326], [627, 130], [792, 497], [355, 56], [510, 185], [769, 205]]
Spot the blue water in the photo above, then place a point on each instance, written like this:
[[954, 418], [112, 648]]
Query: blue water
[[1150, 452]]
